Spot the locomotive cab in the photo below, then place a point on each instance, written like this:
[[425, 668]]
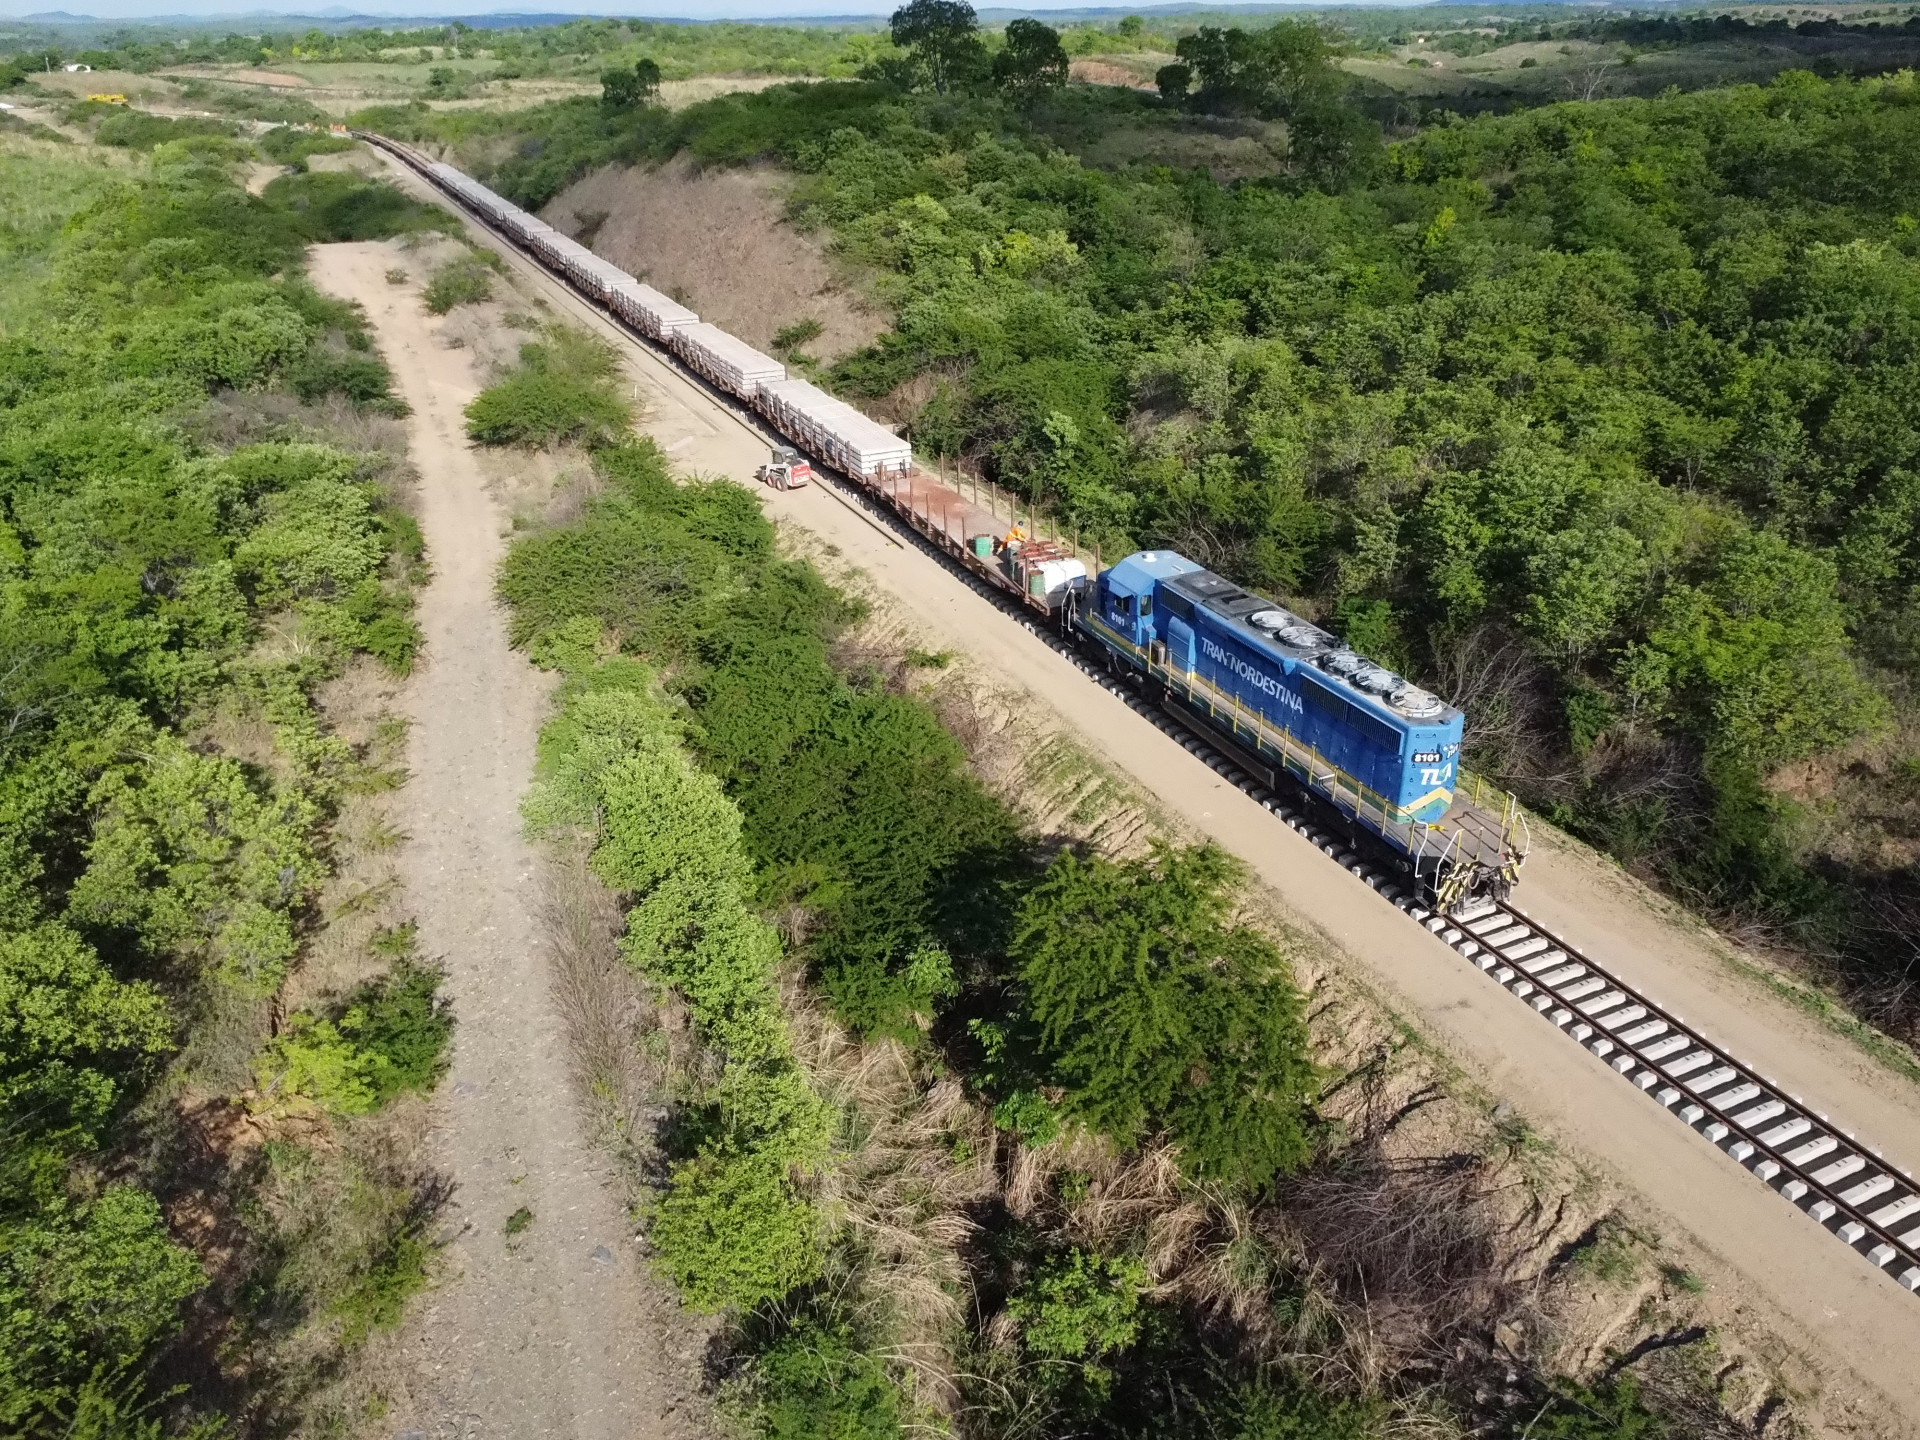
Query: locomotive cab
[[1124, 598]]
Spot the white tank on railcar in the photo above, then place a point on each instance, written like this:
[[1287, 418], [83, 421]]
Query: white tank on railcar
[[732, 364]]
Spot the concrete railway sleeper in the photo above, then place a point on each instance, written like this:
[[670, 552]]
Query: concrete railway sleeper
[[1853, 1192]]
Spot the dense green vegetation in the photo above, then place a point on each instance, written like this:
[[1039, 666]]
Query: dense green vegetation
[[726, 771], [576, 47], [160, 591], [837, 796], [1596, 417]]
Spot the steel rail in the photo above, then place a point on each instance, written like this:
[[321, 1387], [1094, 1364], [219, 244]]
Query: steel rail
[[1854, 1192], [1857, 1194], [1849, 1188]]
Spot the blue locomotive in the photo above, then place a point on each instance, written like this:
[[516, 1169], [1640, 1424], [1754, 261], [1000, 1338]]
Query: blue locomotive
[[1294, 705]]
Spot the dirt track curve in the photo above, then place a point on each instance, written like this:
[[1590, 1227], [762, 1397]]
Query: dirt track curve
[[1854, 1323], [554, 1331]]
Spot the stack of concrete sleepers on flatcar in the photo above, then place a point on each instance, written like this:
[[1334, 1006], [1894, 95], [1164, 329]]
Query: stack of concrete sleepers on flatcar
[[522, 226], [833, 429], [449, 178], [606, 277], [496, 208], [733, 365], [470, 191], [586, 269], [648, 311]]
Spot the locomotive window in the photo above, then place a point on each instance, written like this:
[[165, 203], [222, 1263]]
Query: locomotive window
[[1125, 607], [1146, 607]]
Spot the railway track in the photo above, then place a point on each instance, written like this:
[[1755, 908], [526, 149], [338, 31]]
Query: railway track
[[1851, 1190], [1848, 1188]]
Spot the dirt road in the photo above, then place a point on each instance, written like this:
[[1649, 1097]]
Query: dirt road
[[1855, 1324], [555, 1330]]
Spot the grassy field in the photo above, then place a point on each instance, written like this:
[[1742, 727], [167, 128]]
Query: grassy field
[[1404, 63], [1540, 72]]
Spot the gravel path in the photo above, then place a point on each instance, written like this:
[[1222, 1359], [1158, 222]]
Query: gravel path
[[556, 1330]]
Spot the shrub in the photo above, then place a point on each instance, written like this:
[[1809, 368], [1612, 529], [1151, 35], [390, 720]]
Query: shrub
[[1153, 1010], [562, 392], [819, 1383], [363, 379], [1610, 1409], [332, 205], [1079, 1306], [136, 130], [732, 1232], [378, 1295], [191, 855], [1280, 1406], [464, 280], [389, 1037], [317, 537], [293, 144], [789, 338], [386, 627]]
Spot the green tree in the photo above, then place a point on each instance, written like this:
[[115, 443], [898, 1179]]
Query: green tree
[[943, 37], [1155, 1012], [1752, 654], [622, 88], [1032, 62], [1278, 72], [84, 1289], [69, 1033]]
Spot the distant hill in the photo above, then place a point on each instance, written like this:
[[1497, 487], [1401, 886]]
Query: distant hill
[[337, 17]]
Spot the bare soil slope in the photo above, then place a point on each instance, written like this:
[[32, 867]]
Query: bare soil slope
[[716, 241], [555, 1329]]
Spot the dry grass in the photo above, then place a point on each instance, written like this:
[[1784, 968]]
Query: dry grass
[[624, 1039], [919, 1158]]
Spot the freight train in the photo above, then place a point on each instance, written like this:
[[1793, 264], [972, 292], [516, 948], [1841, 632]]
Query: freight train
[[1287, 702]]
